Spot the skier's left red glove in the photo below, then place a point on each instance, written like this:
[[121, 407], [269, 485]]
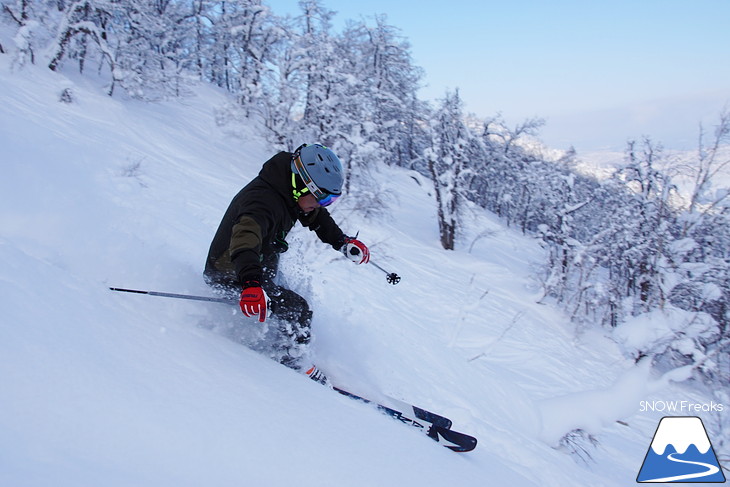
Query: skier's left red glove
[[356, 251]]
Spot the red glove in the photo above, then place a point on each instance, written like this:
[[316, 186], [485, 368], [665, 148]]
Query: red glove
[[356, 251], [254, 300]]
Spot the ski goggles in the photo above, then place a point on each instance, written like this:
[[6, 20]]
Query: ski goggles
[[328, 199], [323, 197]]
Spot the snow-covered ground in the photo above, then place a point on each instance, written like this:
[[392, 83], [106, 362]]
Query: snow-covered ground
[[104, 388]]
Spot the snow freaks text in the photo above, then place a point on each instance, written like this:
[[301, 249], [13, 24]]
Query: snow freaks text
[[680, 407]]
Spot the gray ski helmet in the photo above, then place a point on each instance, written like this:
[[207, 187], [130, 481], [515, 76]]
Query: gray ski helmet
[[320, 169]]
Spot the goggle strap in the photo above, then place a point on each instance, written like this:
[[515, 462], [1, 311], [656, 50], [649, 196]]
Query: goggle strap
[[297, 193]]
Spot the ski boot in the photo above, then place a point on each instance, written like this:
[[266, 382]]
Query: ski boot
[[317, 376]]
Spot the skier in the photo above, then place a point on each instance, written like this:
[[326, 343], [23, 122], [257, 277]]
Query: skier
[[244, 253]]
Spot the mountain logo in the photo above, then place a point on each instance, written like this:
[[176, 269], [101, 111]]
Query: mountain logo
[[680, 452]]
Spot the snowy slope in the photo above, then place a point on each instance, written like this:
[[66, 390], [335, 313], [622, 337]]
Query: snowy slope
[[103, 388]]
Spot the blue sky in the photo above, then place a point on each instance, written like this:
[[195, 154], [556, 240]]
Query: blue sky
[[599, 72]]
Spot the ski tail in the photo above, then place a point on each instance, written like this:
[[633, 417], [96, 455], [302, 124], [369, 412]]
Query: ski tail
[[459, 442]]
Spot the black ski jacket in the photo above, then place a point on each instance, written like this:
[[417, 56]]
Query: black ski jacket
[[258, 220]]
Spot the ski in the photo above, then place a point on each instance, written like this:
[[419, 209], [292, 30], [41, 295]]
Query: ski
[[439, 429], [421, 414]]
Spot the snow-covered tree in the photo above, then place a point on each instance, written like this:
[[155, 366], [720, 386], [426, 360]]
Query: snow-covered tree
[[22, 14], [388, 85], [245, 38], [151, 56], [446, 160], [649, 227], [283, 87], [83, 20], [711, 162], [322, 70]]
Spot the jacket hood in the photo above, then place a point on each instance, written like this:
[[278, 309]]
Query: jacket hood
[[276, 172]]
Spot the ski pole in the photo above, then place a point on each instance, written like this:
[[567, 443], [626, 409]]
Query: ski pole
[[391, 277], [178, 296]]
